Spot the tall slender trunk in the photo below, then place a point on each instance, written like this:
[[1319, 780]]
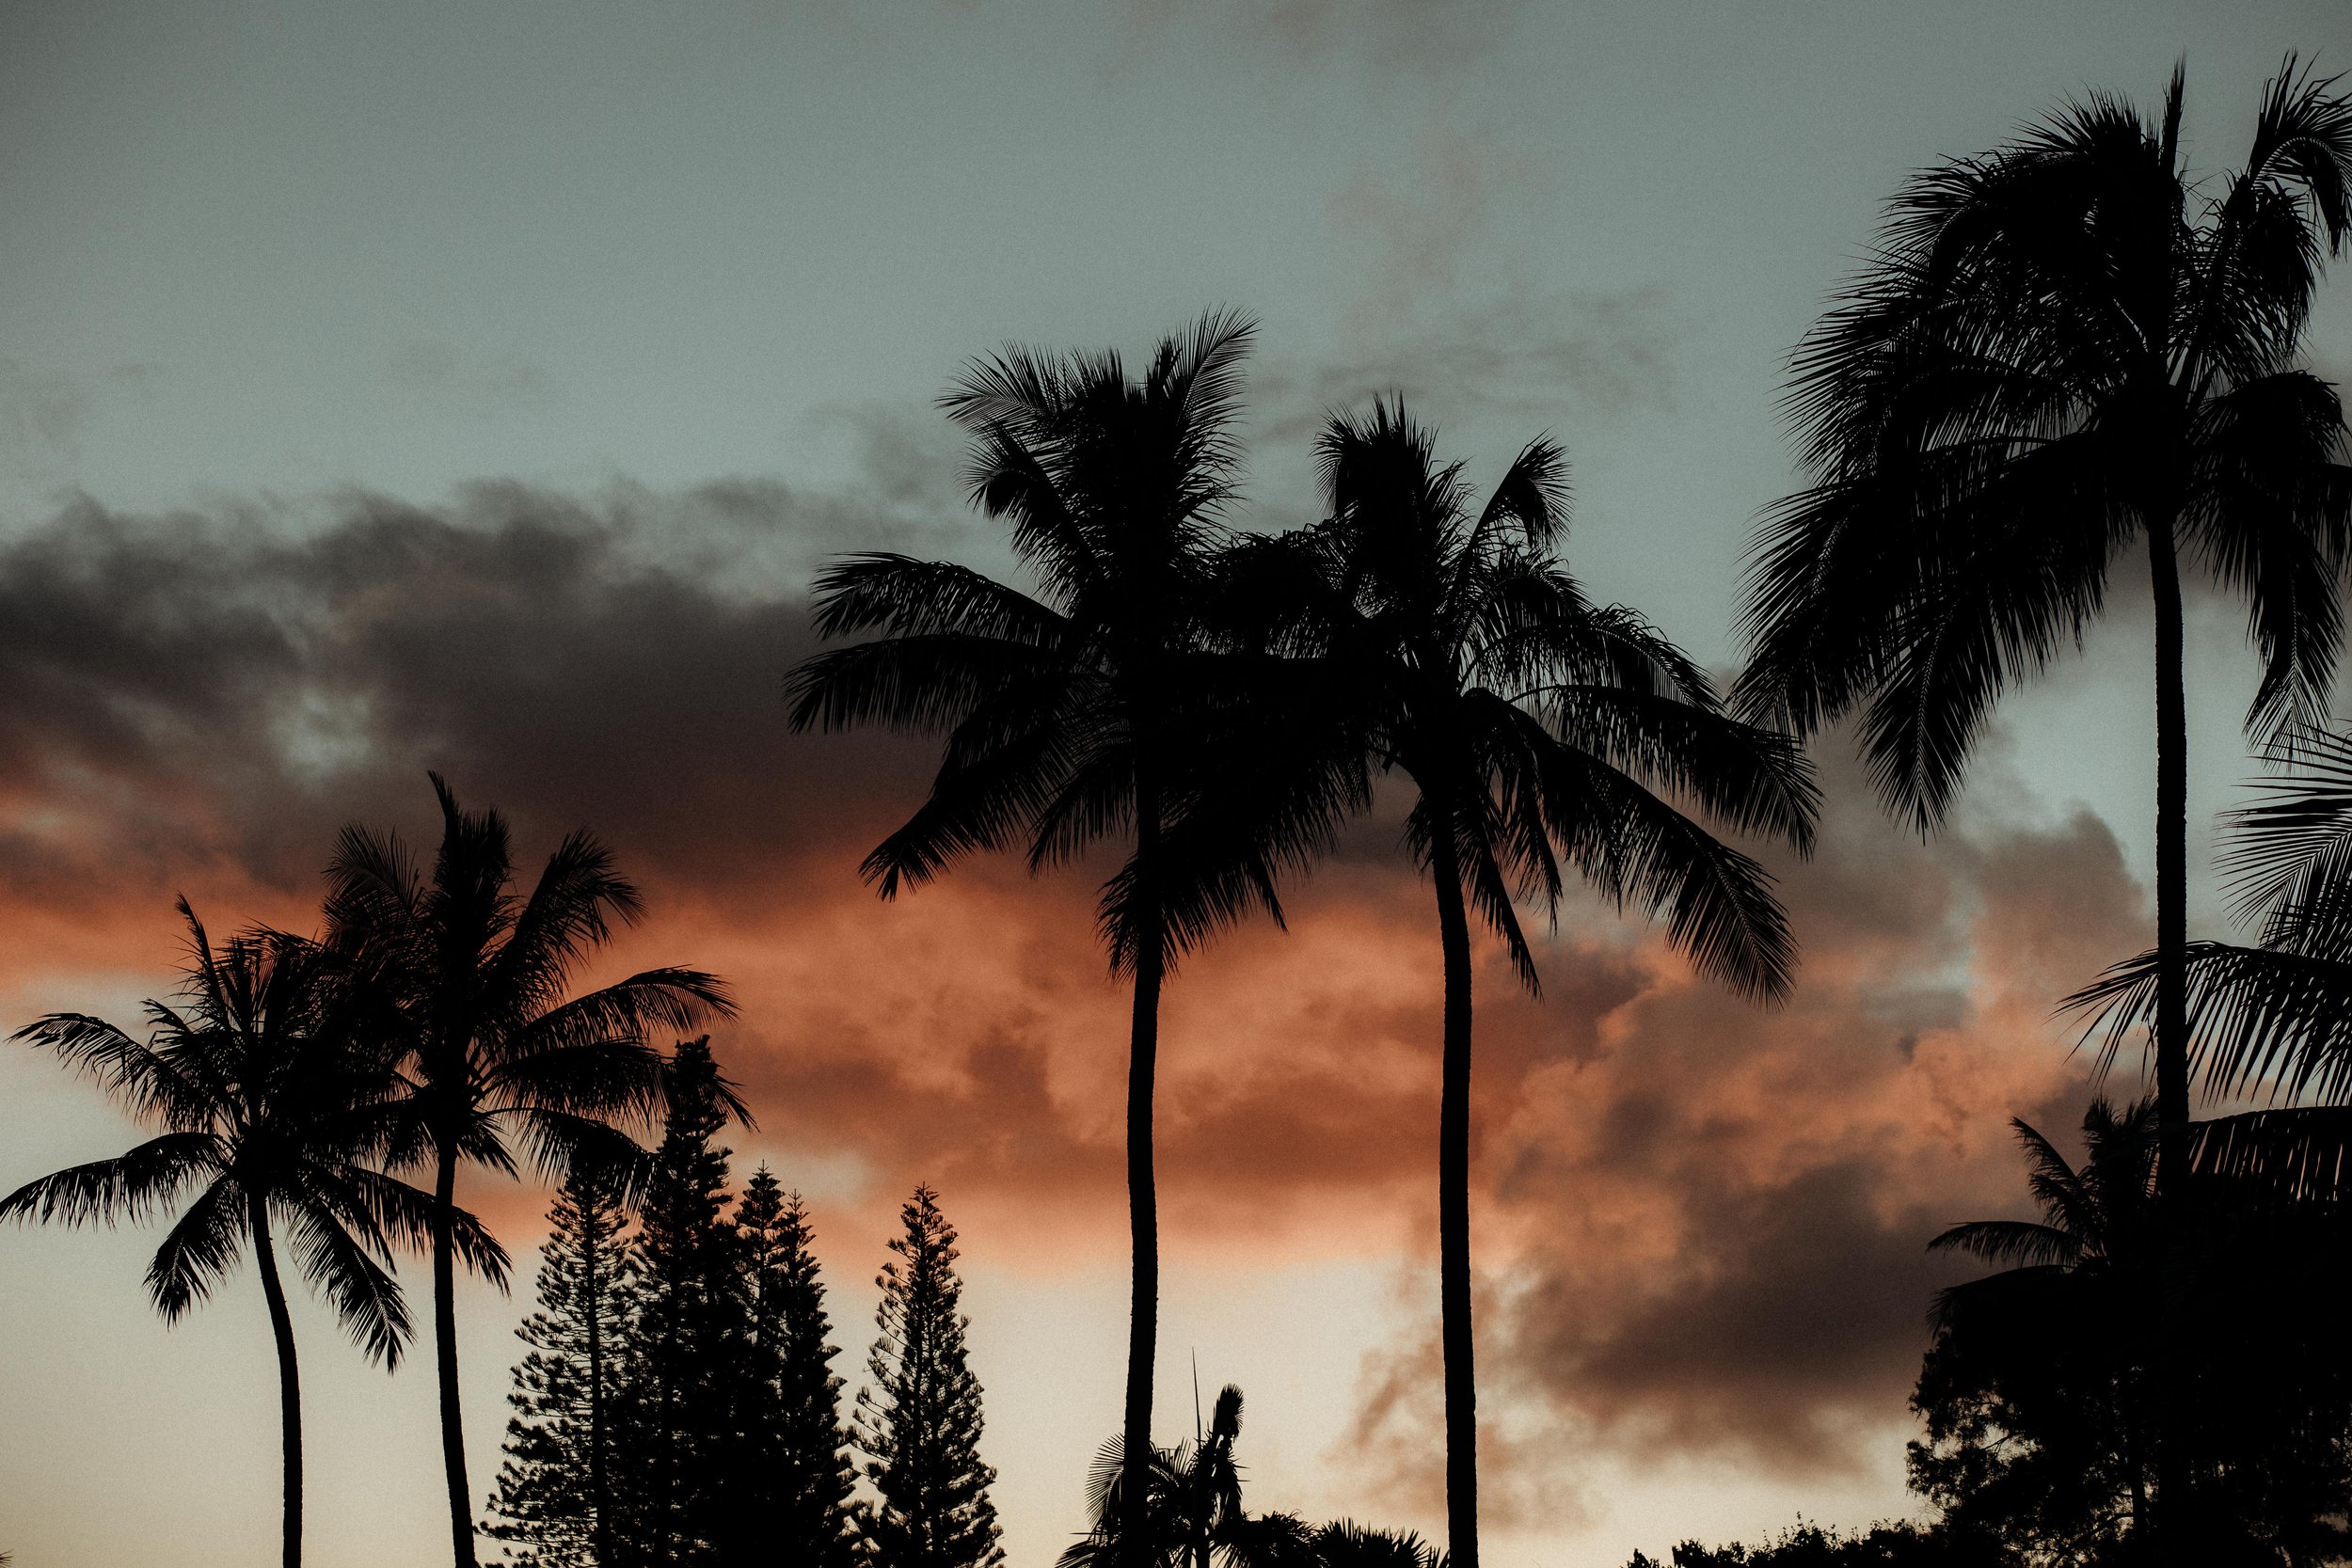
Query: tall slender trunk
[[1453, 1257], [289, 1378], [1143, 1213], [445, 1353], [2172, 1109]]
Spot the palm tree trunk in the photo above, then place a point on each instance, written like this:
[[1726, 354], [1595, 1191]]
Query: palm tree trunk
[[1454, 1259], [1143, 1214], [289, 1379], [445, 1353], [2173, 1108]]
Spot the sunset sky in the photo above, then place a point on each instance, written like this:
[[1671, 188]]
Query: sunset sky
[[474, 386]]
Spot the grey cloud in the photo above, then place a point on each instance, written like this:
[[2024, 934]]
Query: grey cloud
[[235, 683], [41, 414], [437, 368]]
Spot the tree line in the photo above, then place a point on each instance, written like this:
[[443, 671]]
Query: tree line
[[2060, 350]]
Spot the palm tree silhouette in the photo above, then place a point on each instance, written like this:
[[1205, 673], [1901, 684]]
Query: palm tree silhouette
[[269, 1102], [2061, 347], [2099, 1216], [1098, 708], [1193, 1517], [1537, 730], [1191, 1505], [492, 1048]]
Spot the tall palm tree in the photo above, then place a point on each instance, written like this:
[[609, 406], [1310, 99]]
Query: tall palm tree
[[1096, 708], [268, 1105], [494, 1050], [1541, 733], [2061, 348]]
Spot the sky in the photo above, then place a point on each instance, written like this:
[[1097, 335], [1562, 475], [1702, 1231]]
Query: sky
[[475, 387]]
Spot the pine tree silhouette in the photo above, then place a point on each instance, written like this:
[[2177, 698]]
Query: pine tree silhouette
[[553, 1503], [687, 1337], [798, 1485], [919, 1425]]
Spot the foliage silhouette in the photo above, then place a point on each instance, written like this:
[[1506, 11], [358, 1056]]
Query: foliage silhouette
[[1192, 1507], [1095, 710], [270, 1102], [919, 1424], [492, 1048], [1806, 1546], [2039, 1394], [1541, 733], [2061, 347], [1193, 1516]]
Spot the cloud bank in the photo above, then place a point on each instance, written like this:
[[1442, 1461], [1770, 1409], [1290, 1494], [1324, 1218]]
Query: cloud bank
[[1701, 1224]]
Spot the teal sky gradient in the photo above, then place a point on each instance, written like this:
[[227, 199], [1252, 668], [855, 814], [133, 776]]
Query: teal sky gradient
[[254, 255]]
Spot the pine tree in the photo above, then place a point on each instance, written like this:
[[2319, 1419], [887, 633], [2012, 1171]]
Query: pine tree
[[919, 1425], [553, 1500], [799, 1491], [686, 1339]]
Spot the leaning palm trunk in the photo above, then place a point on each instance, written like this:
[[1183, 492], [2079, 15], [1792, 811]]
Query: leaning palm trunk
[[289, 1379]]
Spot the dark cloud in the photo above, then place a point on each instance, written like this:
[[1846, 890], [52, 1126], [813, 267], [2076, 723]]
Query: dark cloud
[[235, 683]]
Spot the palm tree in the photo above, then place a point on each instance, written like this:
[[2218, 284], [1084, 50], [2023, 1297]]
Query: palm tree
[[1192, 1505], [1192, 1499], [1095, 709], [1537, 731], [493, 1051], [2061, 347], [267, 1105]]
